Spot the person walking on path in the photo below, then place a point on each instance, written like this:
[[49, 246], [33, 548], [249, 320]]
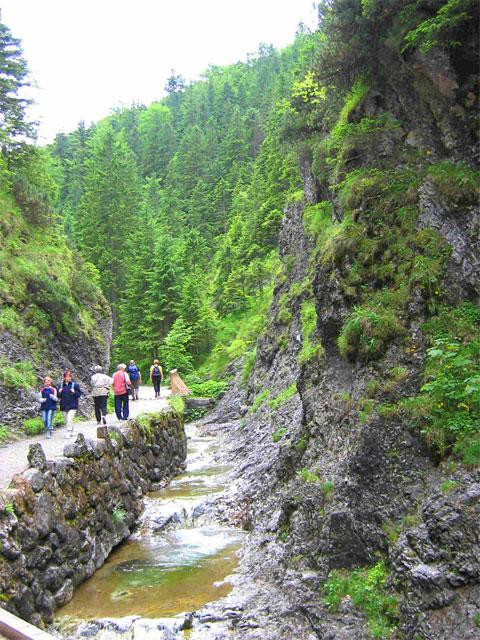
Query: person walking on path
[[69, 392], [121, 386], [48, 402], [135, 376], [156, 376], [101, 384]]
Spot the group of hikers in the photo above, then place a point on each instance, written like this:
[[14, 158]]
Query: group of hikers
[[125, 383]]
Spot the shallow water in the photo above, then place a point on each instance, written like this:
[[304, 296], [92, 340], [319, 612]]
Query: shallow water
[[161, 572]]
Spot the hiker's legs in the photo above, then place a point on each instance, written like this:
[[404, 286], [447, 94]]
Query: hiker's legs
[[47, 415], [97, 401], [156, 385], [118, 407], [103, 408], [135, 385], [125, 408], [69, 416]]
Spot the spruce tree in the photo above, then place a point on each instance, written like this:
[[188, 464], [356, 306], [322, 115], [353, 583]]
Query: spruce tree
[[108, 210]]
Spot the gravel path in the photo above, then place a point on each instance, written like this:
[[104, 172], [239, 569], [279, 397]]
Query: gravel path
[[13, 456]]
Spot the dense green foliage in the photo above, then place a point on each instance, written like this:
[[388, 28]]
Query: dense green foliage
[[178, 205], [366, 587]]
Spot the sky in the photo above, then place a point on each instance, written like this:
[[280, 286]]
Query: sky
[[90, 56]]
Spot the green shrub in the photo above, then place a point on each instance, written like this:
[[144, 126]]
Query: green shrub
[[453, 389], [284, 315], [119, 514], [327, 487], [4, 433], [17, 375], [469, 450], [302, 443], [283, 532], [248, 362], [317, 217], [366, 407], [477, 618], [308, 476], [237, 333], [178, 404], [279, 433], [442, 29], [448, 485], [448, 408], [396, 376], [110, 403], [456, 182], [311, 349], [175, 349], [284, 396], [367, 333], [260, 398], [33, 426], [372, 387], [10, 319], [208, 389], [9, 508], [366, 587]]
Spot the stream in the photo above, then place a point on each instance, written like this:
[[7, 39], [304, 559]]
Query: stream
[[177, 558]]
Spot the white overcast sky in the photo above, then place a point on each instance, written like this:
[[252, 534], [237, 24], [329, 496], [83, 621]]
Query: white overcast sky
[[89, 56]]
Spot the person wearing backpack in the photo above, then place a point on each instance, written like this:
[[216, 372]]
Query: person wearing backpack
[[135, 378], [156, 376]]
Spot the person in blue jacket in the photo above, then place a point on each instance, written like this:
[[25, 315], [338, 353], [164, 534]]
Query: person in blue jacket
[[135, 378], [48, 403], [69, 392]]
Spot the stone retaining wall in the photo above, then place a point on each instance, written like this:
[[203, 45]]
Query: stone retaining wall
[[60, 519]]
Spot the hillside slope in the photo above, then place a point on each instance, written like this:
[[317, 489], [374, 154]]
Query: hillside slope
[[52, 314]]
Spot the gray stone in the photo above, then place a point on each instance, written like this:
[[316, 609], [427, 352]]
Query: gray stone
[[64, 594], [36, 479], [44, 516], [36, 457]]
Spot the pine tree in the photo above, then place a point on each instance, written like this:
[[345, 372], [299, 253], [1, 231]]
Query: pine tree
[[108, 210], [175, 350], [157, 139], [13, 76]]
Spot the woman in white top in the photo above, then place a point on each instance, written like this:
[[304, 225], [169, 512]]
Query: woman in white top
[[101, 384]]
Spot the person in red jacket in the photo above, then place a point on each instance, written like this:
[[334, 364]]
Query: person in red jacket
[[121, 386]]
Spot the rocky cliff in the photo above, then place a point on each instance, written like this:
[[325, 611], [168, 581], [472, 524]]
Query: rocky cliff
[[339, 475]]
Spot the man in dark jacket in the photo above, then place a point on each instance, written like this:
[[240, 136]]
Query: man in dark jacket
[[69, 392]]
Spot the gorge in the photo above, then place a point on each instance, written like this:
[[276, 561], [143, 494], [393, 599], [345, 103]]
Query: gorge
[[302, 240]]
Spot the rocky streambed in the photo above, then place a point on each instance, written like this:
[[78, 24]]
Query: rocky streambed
[[180, 557]]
